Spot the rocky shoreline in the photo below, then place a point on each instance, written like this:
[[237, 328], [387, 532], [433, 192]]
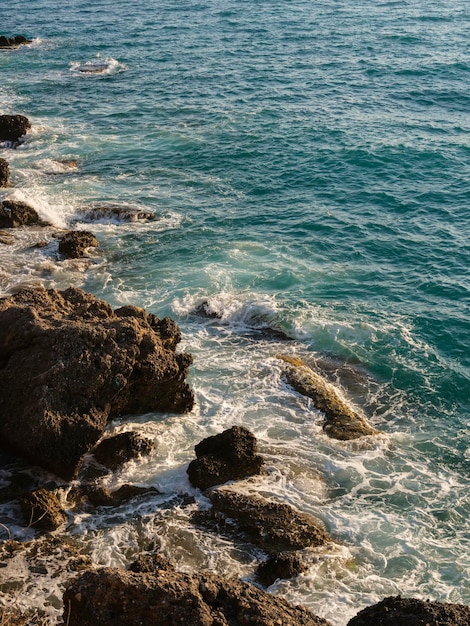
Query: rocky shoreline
[[68, 364]]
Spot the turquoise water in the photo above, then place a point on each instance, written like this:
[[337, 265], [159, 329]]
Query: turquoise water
[[308, 164]]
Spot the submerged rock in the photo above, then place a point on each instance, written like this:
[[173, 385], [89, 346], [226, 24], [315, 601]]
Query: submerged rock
[[231, 455], [4, 173], [97, 495], [75, 243], [13, 42], [282, 565], [341, 421], [13, 127], [112, 213], [398, 611], [114, 451], [68, 362], [114, 597], [42, 509], [272, 526], [14, 214]]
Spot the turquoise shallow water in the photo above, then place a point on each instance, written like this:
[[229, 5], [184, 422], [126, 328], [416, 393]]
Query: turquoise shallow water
[[309, 167]]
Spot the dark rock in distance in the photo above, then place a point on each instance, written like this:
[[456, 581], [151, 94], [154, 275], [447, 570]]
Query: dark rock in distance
[[398, 611], [42, 509], [272, 526], [4, 173], [113, 213], [282, 565], [13, 42], [169, 598], [341, 421], [230, 455], [74, 244], [14, 214], [13, 127], [68, 363], [114, 451]]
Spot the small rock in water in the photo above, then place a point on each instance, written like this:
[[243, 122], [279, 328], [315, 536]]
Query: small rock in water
[[13, 127], [75, 243], [4, 173], [13, 42], [114, 451], [14, 214], [282, 565], [114, 213], [42, 509]]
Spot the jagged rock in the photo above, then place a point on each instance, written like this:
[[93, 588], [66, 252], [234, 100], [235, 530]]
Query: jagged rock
[[231, 455], [68, 363], [282, 565], [273, 526], [111, 213], [42, 509], [114, 451], [14, 214], [112, 597], [13, 42], [204, 309], [398, 611], [151, 563], [6, 238], [341, 421], [13, 127], [75, 243], [97, 495], [4, 173]]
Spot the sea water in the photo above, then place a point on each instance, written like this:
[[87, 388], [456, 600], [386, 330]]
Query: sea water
[[308, 166]]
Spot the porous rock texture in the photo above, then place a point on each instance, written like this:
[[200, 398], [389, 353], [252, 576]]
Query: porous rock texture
[[272, 526], [112, 597], [282, 565], [14, 214], [68, 362], [118, 449], [75, 243], [230, 455], [398, 611], [341, 421], [13, 127], [42, 509], [4, 173]]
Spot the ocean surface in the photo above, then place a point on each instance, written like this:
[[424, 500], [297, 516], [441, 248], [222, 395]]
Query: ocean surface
[[308, 164]]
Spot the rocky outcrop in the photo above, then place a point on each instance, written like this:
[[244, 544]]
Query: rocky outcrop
[[4, 173], [13, 127], [14, 214], [282, 565], [13, 42], [112, 597], [75, 243], [112, 213], [114, 451], [231, 455], [273, 526], [398, 611], [341, 421], [68, 362], [42, 509]]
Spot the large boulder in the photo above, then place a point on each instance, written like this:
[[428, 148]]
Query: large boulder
[[273, 526], [14, 214], [4, 173], [398, 611], [68, 362], [75, 243], [341, 421], [113, 597], [230, 455], [13, 127]]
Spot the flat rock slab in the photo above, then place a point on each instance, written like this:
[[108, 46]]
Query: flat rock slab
[[68, 362], [341, 421], [272, 526], [398, 611], [112, 597]]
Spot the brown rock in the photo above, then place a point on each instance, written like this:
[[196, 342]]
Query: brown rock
[[282, 565], [111, 597], [13, 127], [114, 451], [273, 526], [68, 363], [100, 496], [231, 455], [14, 214], [4, 173], [42, 509], [112, 213], [398, 611], [75, 243], [341, 421]]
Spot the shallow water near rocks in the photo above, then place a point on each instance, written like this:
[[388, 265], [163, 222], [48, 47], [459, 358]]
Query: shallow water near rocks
[[308, 168]]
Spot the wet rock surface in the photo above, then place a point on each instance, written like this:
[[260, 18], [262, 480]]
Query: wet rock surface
[[14, 214], [398, 611], [13, 127], [118, 449], [68, 362], [111, 597], [97, 495], [273, 526], [230, 455], [42, 509], [4, 173], [13, 42], [282, 565], [341, 421], [75, 243], [112, 213]]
